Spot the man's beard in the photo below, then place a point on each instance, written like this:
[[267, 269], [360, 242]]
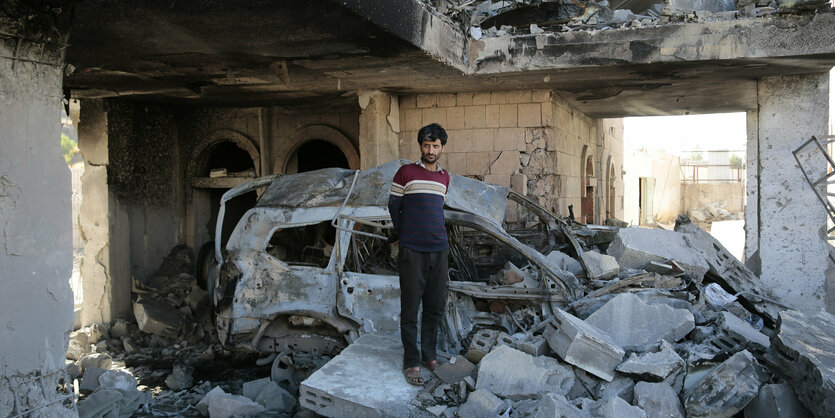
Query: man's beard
[[424, 158]]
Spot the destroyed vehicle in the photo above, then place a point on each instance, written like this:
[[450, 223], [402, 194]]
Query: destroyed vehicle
[[309, 268]]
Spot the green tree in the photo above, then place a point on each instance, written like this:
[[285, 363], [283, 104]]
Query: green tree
[[735, 161], [68, 148]]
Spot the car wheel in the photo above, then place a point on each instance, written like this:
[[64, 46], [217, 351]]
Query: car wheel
[[205, 262]]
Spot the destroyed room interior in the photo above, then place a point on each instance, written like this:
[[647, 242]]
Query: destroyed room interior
[[215, 239]]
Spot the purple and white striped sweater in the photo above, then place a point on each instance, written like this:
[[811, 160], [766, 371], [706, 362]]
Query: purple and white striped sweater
[[416, 206]]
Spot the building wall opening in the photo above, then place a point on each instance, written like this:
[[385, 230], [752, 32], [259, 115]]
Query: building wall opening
[[314, 155]]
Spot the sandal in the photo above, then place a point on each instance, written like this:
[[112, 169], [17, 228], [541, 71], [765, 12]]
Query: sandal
[[414, 376], [432, 364]]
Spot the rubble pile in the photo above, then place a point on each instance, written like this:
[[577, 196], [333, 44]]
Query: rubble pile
[[499, 18], [678, 331], [713, 212]]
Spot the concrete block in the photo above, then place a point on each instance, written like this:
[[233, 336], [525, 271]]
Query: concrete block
[[100, 360], [658, 400], [252, 388], [519, 184], [507, 163], [427, 100], [446, 100], [226, 405], [454, 118], [376, 385], [619, 387], [653, 367], [475, 117], [455, 369], [78, 348], [583, 345], [508, 115], [90, 381], [512, 374], [530, 115], [508, 139], [637, 326], [565, 262], [482, 404], [466, 99], [434, 115], [478, 163], [601, 266], [483, 341], [776, 401], [97, 332], [725, 390], [535, 346], [734, 334], [803, 350], [117, 379], [618, 408], [203, 405], [555, 405], [275, 398], [155, 316], [492, 118], [635, 247]]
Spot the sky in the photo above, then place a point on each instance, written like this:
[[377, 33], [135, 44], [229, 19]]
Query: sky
[[678, 134]]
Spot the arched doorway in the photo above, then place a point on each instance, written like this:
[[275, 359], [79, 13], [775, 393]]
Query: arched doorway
[[227, 160], [315, 154], [587, 184], [612, 210]]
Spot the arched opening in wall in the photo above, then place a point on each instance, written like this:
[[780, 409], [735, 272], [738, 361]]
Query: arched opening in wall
[[228, 161], [316, 154], [611, 209], [587, 202]]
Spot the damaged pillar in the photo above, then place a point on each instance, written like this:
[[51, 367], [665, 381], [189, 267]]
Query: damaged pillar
[[105, 268], [35, 216], [791, 225], [379, 126]]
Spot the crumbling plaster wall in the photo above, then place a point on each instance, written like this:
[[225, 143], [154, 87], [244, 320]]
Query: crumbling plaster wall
[[36, 301], [529, 140], [666, 171], [699, 195]]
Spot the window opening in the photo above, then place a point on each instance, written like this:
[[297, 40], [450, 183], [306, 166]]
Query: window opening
[[309, 245]]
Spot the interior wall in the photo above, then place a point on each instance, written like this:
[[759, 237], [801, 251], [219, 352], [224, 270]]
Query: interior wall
[[666, 171]]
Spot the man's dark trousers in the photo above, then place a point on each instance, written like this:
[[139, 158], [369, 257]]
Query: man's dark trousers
[[423, 277]]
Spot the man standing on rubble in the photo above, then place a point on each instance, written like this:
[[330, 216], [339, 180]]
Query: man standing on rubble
[[416, 205]]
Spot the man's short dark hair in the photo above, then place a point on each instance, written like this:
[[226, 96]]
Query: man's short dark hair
[[431, 133]]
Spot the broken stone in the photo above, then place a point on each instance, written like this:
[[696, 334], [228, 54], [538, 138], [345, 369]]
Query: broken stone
[[803, 349], [565, 262], [735, 334], [106, 402], [583, 345], [73, 370], [455, 369], [275, 398], [620, 386], [180, 377], [775, 401], [483, 341], [157, 317], [225, 405], [100, 360], [635, 247], [203, 405], [437, 410], [119, 329], [653, 367], [512, 374], [482, 403], [129, 347], [616, 407], [636, 326], [535, 346], [512, 274], [97, 332], [196, 298], [117, 379], [90, 382], [556, 405], [78, 346], [658, 400], [600, 266], [725, 390]]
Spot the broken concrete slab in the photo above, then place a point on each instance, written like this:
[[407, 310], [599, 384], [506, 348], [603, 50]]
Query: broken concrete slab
[[653, 366], [483, 341], [658, 400], [616, 407], [730, 272], [275, 398], [100, 360], [535, 346], [550, 405], [566, 262], [620, 387], [803, 350], [203, 405], [635, 247], [601, 266], [512, 374], [482, 403], [734, 334], [119, 329], [725, 390], [583, 345], [775, 401], [117, 379], [157, 317], [90, 381], [637, 326], [226, 405], [455, 369], [374, 363]]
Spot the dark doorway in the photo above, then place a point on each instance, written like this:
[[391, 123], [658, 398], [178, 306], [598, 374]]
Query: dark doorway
[[229, 156], [238, 163], [316, 154]]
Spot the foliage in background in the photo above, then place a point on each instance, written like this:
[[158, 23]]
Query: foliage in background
[[68, 148], [735, 161]]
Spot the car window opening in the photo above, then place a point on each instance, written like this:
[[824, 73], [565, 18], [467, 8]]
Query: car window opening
[[309, 245]]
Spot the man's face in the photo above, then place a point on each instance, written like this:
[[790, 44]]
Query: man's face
[[430, 151]]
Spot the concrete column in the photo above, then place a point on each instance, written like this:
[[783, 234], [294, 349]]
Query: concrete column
[[379, 126], [36, 302], [791, 225], [105, 268], [752, 194]]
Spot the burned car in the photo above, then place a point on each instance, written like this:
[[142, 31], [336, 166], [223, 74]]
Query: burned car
[[309, 268]]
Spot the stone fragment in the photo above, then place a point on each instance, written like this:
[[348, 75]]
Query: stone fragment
[[225, 405], [658, 400], [620, 386], [535, 346], [483, 341], [455, 369], [73, 370], [776, 401], [803, 349], [119, 329], [90, 382], [635, 247], [78, 346], [555, 405], [637, 326], [117, 379], [583, 345], [275, 398], [437, 410], [616, 407], [196, 298], [725, 390], [512, 374], [102, 403], [601, 266], [203, 405], [481, 403], [97, 332], [100, 360], [512, 274], [734, 334], [653, 367], [180, 377], [157, 317], [565, 262]]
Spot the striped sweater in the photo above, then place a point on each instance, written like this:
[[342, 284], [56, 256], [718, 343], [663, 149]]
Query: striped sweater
[[416, 205]]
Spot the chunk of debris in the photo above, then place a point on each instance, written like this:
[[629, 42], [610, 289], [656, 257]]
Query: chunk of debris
[[100, 360], [803, 349], [583, 345], [269, 394], [601, 266], [735, 334], [619, 387], [79, 346], [637, 326], [535, 345], [653, 367], [512, 374], [725, 390], [635, 247], [725, 269], [483, 341], [775, 401], [109, 402], [566, 262], [455, 369], [512, 274], [157, 317], [203, 405], [616, 407], [225, 405], [90, 381], [482, 403], [658, 400], [117, 379], [119, 329], [180, 377]]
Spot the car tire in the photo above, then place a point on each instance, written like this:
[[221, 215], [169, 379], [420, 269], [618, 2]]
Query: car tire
[[205, 259]]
